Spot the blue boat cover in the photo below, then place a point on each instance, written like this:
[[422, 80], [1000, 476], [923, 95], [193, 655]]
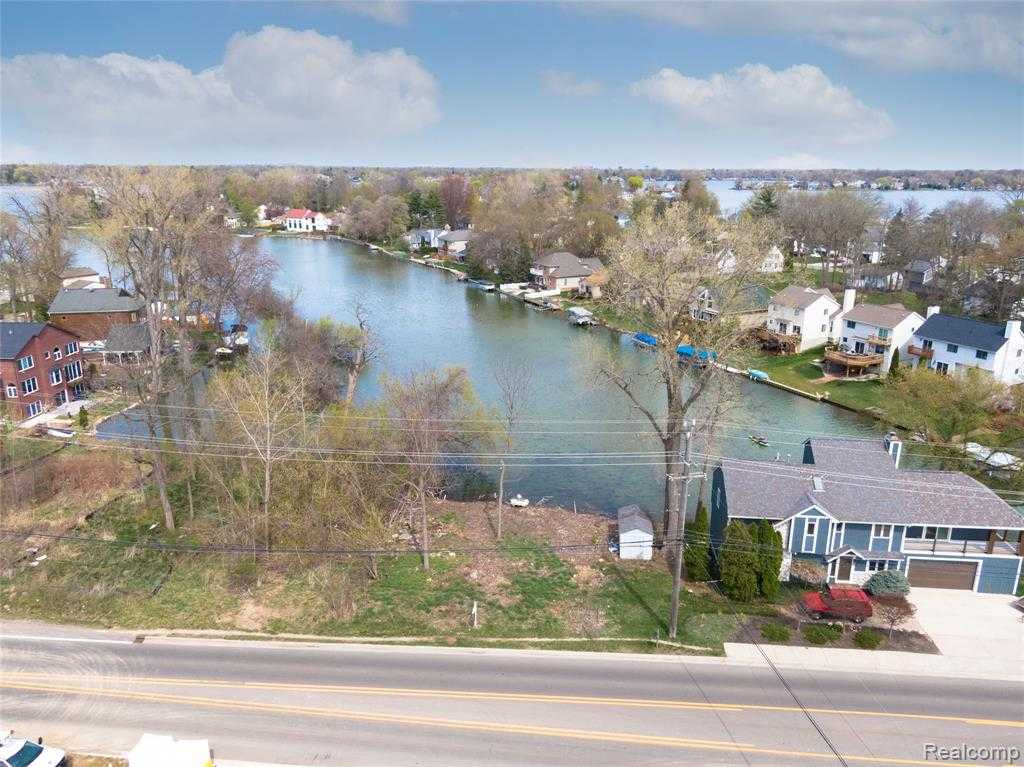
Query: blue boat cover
[[688, 351], [644, 338]]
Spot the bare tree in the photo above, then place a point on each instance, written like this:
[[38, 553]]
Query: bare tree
[[515, 382], [44, 222], [456, 194], [894, 611], [231, 272], [363, 347], [14, 257]]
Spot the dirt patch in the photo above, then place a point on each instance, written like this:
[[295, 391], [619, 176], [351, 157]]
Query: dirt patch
[[903, 641]]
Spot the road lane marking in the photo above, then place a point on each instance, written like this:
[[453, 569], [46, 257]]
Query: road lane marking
[[632, 739], [84, 640], [506, 697]]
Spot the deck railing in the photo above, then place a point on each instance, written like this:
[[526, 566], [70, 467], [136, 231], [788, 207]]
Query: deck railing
[[924, 352], [853, 360]]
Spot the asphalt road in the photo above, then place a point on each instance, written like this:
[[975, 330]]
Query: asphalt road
[[303, 704]]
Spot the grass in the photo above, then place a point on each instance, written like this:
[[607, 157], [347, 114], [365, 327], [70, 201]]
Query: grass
[[16, 449], [799, 371]]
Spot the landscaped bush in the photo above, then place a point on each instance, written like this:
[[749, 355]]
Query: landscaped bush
[[822, 633], [888, 582], [775, 632], [867, 639]]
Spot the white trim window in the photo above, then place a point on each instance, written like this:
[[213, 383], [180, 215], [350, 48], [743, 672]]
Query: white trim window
[[72, 347], [12, 391], [29, 385], [73, 371], [35, 408], [57, 354], [838, 533], [25, 363], [874, 565], [810, 535], [55, 377], [881, 533]]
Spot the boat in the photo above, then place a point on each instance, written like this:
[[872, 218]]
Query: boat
[[518, 500], [223, 352], [758, 440], [56, 431], [758, 375], [703, 356], [482, 285], [644, 339], [580, 316]]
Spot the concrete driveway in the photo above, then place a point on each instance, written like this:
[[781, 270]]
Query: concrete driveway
[[983, 632]]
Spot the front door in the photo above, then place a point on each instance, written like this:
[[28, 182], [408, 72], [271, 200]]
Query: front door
[[845, 567], [859, 347]]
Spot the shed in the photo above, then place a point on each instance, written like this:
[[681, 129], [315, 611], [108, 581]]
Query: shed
[[636, 533]]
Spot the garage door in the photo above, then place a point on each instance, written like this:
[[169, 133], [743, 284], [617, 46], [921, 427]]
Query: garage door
[[942, 575]]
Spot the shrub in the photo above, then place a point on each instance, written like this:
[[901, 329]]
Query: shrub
[[83, 418], [769, 558], [867, 639], [738, 563], [822, 633], [893, 611], [775, 632], [887, 583], [695, 555]]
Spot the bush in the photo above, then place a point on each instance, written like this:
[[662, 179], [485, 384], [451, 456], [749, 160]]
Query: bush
[[738, 563], [83, 418], [775, 632], [769, 558], [822, 633], [867, 639], [696, 553], [888, 583]]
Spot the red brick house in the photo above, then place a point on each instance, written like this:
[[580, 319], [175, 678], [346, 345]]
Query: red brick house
[[41, 367], [90, 313]]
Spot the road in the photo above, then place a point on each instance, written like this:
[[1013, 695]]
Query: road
[[303, 704]]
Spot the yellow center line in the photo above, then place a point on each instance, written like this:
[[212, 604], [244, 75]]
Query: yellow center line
[[629, 738], [508, 697]]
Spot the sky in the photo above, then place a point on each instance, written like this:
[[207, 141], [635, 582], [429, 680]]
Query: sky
[[674, 85]]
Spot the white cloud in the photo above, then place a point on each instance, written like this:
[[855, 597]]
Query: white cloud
[[797, 102], [392, 12], [568, 84], [274, 88], [798, 161], [968, 36]]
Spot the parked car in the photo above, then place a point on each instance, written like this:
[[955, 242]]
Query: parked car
[[18, 752], [838, 602]]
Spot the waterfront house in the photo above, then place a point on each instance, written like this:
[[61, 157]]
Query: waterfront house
[[305, 220], [868, 336], [952, 345], [875, 276], [90, 313], [126, 344], [82, 278], [800, 318], [773, 262], [40, 367], [453, 244], [424, 239], [748, 307], [943, 529], [562, 271], [918, 275], [636, 533]]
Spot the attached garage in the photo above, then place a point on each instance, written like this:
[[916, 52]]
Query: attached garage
[[940, 574]]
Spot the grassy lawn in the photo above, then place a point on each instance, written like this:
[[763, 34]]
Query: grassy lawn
[[799, 371], [16, 449]]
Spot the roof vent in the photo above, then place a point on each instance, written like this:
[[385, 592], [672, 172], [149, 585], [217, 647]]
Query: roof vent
[[819, 484]]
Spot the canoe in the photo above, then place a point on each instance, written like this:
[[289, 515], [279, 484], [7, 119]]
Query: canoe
[[757, 375]]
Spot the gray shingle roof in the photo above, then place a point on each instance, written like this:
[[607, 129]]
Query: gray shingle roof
[[566, 264], [838, 454], [128, 338], [633, 518], [78, 271], [79, 301], [963, 331], [888, 316], [14, 336], [770, 490], [457, 235], [799, 297], [919, 265]]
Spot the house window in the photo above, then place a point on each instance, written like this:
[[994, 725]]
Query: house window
[[810, 533], [12, 390], [72, 347], [851, 324], [874, 565], [824, 328], [35, 408], [883, 332], [26, 362], [942, 368], [55, 376], [61, 398], [882, 534], [56, 353], [952, 348], [926, 344], [73, 371], [46, 355], [29, 385], [796, 330], [981, 354], [78, 390]]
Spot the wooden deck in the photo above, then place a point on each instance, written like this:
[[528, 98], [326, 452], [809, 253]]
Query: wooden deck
[[853, 362]]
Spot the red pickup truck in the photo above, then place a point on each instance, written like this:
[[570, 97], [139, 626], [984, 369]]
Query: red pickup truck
[[839, 602]]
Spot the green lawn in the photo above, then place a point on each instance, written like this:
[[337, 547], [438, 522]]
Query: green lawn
[[799, 371]]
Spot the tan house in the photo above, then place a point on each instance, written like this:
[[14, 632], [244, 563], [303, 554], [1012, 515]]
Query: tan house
[[564, 271]]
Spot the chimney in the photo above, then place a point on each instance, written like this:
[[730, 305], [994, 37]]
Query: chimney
[[894, 447], [818, 483], [849, 299], [932, 310], [1012, 328]]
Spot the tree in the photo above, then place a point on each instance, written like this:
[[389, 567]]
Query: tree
[[697, 551], [455, 194], [635, 183], [695, 192], [514, 380], [893, 611], [738, 563], [14, 258], [83, 418], [894, 366], [888, 583], [766, 203], [945, 408], [231, 272], [769, 558]]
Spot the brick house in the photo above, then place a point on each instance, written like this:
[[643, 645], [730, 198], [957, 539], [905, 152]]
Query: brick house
[[41, 367], [90, 313]]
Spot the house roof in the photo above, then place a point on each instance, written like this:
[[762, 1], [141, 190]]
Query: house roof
[[749, 298], [89, 300], [920, 265], [299, 213], [963, 331], [769, 490], [562, 263], [457, 235], [632, 518], [864, 554], [887, 316], [800, 297], [835, 454], [78, 271], [14, 336], [128, 338]]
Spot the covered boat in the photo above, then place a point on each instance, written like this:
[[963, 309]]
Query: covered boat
[[580, 316]]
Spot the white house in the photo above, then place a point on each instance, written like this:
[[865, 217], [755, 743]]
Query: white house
[[424, 238], [803, 313], [773, 262], [455, 242], [950, 345], [636, 533], [83, 278], [305, 220], [562, 270], [869, 334]]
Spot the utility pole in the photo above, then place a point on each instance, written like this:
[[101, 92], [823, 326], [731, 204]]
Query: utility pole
[[681, 505]]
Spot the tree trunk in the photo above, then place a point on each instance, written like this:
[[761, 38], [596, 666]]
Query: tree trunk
[[501, 495], [266, 501], [353, 376], [160, 475], [672, 469], [191, 504]]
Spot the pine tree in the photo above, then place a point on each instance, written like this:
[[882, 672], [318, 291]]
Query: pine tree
[[696, 553], [894, 366], [769, 559], [738, 562]]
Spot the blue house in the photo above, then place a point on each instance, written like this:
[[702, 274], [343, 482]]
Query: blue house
[[850, 508]]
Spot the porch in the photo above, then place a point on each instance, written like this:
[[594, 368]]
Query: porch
[[851, 361], [923, 352]]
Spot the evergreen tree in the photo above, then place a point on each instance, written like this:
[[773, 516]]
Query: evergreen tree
[[894, 366], [739, 563], [433, 209], [769, 559], [765, 204], [696, 553], [417, 210]]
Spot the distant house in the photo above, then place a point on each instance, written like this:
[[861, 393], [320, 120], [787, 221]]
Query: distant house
[[126, 344], [40, 367], [232, 219], [305, 220], [918, 275], [453, 244], [562, 270], [82, 277], [773, 262], [952, 345], [802, 316], [91, 313], [636, 533], [748, 307], [966, 537], [870, 334], [421, 239], [876, 277]]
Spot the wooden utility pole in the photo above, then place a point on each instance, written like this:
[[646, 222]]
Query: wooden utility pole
[[681, 505]]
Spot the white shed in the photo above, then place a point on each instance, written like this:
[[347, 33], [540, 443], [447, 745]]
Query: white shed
[[636, 533]]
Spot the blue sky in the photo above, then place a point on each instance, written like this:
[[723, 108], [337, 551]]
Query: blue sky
[[847, 84]]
